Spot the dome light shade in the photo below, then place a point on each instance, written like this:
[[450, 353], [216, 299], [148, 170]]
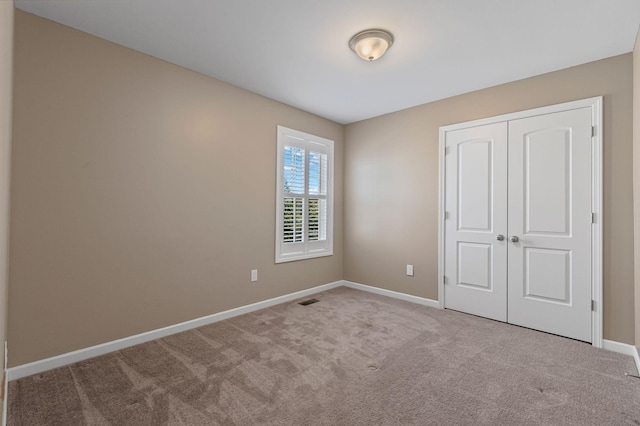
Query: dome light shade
[[371, 44]]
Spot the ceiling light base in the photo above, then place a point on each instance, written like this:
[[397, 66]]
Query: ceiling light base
[[371, 44]]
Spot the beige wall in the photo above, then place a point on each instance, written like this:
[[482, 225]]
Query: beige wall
[[391, 182], [6, 68], [142, 194], [636, 178]]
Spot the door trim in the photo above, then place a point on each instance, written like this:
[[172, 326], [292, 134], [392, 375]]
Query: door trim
[[596, 197]]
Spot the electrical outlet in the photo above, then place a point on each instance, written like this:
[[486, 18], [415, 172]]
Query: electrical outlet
[[410, 270], [254, 275]]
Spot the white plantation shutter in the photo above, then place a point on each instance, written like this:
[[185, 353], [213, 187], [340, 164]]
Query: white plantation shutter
[[317, 188], [294, 161], [293, 220], [304, 196], [293, 184]]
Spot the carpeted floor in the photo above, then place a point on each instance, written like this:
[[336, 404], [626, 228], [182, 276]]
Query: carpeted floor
[[353, 358]]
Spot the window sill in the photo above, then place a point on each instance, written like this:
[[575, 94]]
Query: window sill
[[303, 256]]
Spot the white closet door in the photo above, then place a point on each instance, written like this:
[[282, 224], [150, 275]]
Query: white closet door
[[475, 199], [549, 272]]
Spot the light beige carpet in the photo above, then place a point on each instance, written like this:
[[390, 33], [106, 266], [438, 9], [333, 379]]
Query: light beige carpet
[[354, 358]]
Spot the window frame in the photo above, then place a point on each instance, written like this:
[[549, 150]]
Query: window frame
[[292, 251]]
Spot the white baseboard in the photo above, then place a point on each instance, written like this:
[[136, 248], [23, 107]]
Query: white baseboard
[[623, 348], [36, 367], [46, 364], [389, 293], [5, 383]]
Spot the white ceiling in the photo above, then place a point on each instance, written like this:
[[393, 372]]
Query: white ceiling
[[296, 51]]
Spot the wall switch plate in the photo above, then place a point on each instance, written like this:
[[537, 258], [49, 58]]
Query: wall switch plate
[[410, 270], [254, 275]]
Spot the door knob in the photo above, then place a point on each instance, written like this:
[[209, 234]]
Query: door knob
[[499, 237], [514, 239]]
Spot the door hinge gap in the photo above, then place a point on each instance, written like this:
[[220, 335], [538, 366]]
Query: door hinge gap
[[444, 279], [593, 305], [593, 131], [593, 218]]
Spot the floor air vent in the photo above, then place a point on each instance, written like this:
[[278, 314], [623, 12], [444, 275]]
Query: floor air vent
[[308, 302]]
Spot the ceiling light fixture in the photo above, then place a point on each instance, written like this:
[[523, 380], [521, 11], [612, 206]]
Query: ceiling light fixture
[[371, 44]]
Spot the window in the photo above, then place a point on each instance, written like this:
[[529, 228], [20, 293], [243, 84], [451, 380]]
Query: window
[[304, 216]]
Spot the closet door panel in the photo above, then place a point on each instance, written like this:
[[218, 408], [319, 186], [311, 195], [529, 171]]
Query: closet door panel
[[475, 200], [549, 266]]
